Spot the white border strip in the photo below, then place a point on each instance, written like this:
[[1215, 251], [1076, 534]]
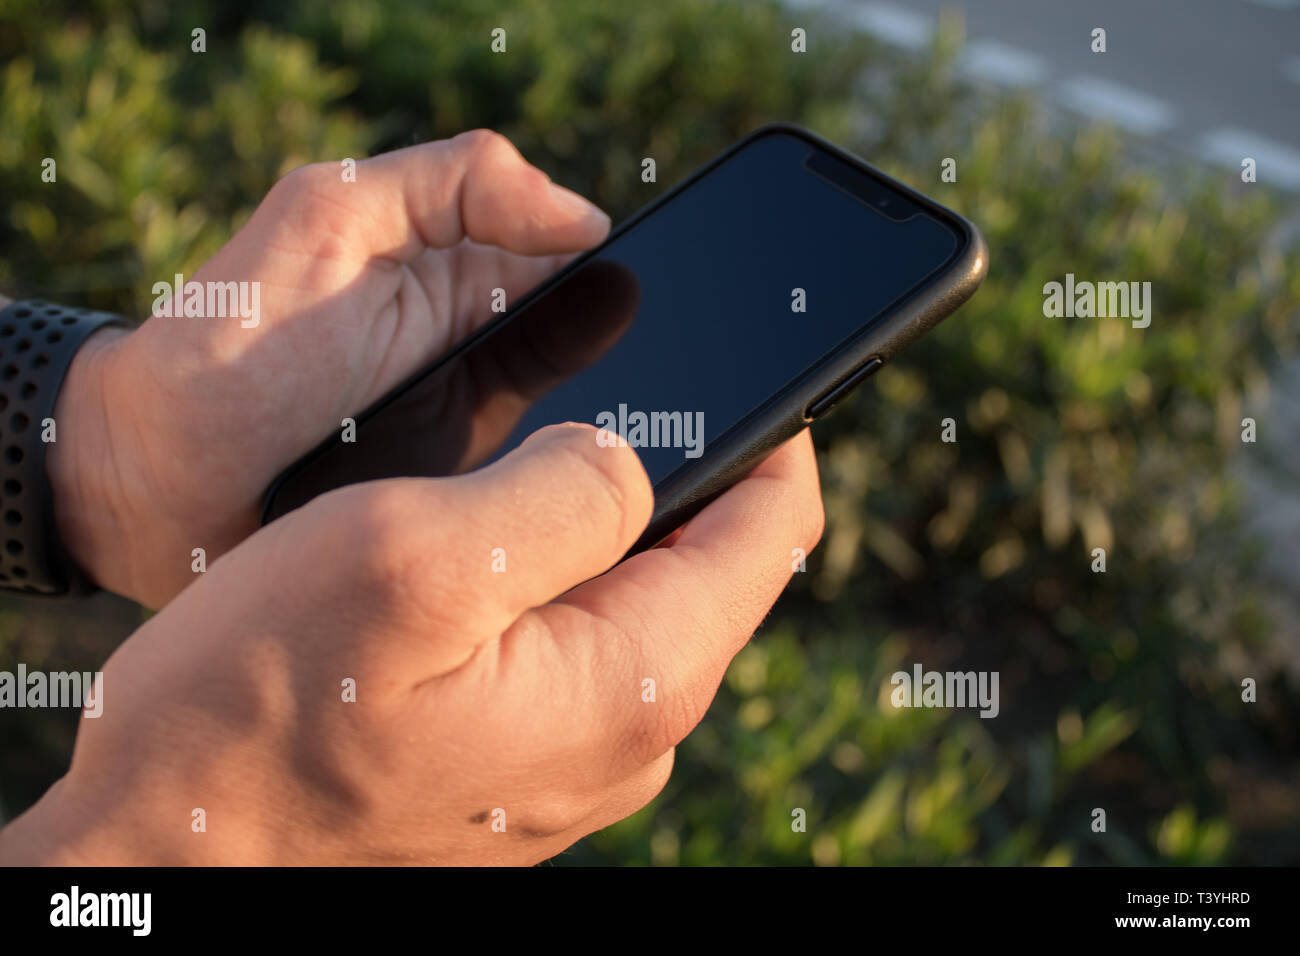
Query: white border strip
[[1124, 106], [1276, 163]]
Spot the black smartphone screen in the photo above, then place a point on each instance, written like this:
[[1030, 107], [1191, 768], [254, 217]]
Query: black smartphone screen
[[671, 333]]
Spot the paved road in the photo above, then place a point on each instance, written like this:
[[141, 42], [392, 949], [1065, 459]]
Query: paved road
[[1218, 79]]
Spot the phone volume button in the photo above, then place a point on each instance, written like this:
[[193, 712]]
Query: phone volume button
[[831, 397]]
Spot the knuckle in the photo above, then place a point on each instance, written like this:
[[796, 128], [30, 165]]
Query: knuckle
[[653, 783], [387, 536], [306, 204], [686, 670], [558, 812], [814, 520], [803, 512], [633, 794], [303, 182], [669, 721], [497, 190], [648, 784], [484, 143]]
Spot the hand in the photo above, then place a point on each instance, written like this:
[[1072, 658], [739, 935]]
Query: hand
[[169, 436], [482, 698]]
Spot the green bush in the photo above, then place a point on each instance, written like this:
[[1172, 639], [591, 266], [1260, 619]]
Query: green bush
[[1119, 690]]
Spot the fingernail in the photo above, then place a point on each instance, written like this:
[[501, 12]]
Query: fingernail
[[578, 206]]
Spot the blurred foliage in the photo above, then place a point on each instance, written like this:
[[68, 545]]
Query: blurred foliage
[[1119, 691]]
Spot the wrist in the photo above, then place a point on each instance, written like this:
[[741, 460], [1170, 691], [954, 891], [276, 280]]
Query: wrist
[[79, 463]]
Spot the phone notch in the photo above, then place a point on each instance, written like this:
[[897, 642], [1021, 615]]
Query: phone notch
[[863, 187]]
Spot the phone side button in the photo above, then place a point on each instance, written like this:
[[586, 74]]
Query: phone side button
[[824, 403]]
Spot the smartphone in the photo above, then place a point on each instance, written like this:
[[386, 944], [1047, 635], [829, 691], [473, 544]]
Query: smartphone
[[705, 331]]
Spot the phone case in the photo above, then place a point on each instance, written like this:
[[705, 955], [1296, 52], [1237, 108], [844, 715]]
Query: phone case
[[731, 455]]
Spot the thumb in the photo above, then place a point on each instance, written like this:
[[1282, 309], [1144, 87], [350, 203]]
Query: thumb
[[560, 509]]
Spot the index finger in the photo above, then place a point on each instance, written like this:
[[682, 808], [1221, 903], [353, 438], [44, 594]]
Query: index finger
[[434, 195], [677, 615]]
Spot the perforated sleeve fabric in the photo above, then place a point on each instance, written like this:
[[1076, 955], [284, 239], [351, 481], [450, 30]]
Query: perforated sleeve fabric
[[37, 343]]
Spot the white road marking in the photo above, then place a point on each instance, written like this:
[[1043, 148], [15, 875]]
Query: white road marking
[[1277, 4], [892, 24], [1275, 163], [1122, 105], [996, 62]]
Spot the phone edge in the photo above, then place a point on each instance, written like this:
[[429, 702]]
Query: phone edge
[[972, 259]]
